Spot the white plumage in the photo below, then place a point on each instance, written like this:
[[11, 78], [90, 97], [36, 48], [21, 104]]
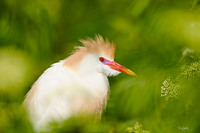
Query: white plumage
[[76, 85]]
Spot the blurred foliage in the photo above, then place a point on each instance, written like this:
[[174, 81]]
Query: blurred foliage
[[158, 39], [136, 129]]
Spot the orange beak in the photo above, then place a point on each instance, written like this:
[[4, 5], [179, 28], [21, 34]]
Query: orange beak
[[120, 68]]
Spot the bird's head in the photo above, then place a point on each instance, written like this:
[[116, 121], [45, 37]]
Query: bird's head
[[96, 56]]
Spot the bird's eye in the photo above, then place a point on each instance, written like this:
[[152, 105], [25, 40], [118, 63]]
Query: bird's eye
[[101, 59]]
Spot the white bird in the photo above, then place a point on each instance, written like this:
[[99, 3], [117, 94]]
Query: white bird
[[76, 85]]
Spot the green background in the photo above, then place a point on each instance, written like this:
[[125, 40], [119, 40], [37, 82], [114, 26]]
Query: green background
[[158, 39]]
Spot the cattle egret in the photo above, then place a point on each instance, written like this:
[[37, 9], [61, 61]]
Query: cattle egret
[[75, 85]]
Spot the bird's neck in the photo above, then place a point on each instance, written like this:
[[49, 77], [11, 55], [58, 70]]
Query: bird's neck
[[88, 71], [88, 65]]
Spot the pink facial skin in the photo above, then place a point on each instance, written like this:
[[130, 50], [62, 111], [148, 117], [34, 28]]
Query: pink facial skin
[[116, 66]]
